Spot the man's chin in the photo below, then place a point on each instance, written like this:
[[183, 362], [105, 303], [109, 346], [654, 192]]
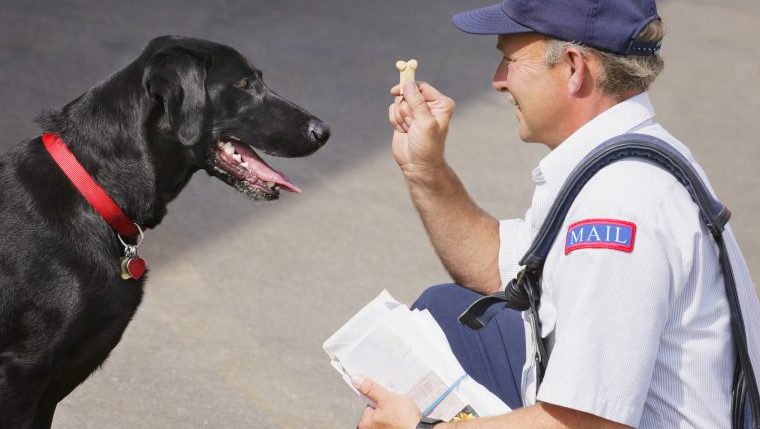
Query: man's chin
[[526, 135], [529, 136]]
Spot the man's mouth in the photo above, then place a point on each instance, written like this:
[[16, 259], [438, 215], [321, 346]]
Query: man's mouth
[[513, 101], [246, 171]]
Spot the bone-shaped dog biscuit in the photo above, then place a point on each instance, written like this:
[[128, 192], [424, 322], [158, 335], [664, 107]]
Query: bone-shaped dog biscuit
[[406, 72]]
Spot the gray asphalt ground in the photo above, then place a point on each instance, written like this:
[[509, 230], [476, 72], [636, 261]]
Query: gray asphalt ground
[[242, 295]]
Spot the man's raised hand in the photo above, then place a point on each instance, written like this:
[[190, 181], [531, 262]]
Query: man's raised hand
[[421, 122]]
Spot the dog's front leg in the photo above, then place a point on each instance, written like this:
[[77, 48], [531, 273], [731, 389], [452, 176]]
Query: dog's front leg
[[11, 418], [43, 419], [23, 377]]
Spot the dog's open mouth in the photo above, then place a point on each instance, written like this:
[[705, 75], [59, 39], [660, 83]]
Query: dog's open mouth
[[248, 172]]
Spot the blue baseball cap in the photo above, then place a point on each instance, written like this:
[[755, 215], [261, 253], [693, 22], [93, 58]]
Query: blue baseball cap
[[609, 25]]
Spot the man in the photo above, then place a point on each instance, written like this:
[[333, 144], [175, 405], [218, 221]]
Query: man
[[637, 325]]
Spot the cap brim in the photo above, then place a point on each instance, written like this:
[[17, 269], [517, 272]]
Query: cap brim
[[488, 20]]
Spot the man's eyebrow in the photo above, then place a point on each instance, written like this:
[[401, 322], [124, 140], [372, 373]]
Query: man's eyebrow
[[500, 46]]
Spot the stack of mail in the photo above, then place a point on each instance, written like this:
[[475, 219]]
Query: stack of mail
[[406, 352]]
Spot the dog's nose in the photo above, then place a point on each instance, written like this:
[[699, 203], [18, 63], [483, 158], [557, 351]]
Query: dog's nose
[[319, 131]]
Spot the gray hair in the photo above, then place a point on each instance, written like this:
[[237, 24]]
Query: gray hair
[[620, 73]]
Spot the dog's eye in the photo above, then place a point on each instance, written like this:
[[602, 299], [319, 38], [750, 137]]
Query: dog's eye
[[243, 83]]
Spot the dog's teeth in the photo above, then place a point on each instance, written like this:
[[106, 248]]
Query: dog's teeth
[[271, 184], [228, 149], [220, 145], [244, 165], [237, 157]]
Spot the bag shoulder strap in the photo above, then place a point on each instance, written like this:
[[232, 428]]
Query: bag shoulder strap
[[523, 293], [713, 212]]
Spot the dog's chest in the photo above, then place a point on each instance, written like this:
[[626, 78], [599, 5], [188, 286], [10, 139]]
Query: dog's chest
[[103, 316]]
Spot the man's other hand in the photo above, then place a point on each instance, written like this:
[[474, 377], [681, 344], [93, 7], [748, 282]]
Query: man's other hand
[[392, 411]]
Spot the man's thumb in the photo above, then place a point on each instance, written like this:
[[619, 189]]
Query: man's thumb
[[416, 100], [369, 388]]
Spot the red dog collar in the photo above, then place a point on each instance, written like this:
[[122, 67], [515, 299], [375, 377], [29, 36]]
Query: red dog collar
[[90, 190], [132, 266]]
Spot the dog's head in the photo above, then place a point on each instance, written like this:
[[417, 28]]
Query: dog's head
[[212, 101]]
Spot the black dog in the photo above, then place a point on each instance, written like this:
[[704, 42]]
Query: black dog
[[185, 104]]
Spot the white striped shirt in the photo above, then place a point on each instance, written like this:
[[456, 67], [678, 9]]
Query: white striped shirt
[[641, 337]]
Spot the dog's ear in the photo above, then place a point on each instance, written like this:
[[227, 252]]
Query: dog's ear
[[176, 77]]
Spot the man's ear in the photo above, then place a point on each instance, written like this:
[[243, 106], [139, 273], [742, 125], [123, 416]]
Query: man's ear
[[176, 78], [578, 69]]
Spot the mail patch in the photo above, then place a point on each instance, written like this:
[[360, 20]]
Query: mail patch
[[601, 234]]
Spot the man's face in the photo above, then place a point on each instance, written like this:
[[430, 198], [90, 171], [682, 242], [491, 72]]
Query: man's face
[[535, 90]]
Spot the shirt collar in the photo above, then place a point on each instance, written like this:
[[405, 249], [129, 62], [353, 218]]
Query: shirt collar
[[626, 116]]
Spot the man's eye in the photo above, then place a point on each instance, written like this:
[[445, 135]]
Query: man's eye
[[243, 83]]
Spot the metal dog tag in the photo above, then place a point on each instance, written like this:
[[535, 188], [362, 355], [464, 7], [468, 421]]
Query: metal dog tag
[[124, 272], [132, 266]]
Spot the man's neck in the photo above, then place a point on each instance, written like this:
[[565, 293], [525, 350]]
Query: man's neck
[[583, 112]]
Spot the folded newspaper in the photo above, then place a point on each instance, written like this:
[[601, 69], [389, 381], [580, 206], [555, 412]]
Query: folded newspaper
[[407, 352]]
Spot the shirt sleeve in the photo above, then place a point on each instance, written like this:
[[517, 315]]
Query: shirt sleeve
[[610, 309]]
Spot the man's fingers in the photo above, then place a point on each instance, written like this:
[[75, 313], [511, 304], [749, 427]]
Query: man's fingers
[[397, 119], [406, 111], [366, 418], [398, 115], [428, 91], [392, 116], [416, 100], [371, 390]]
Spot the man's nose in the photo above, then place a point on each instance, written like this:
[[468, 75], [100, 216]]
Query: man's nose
[[499, 85], [499, 81]]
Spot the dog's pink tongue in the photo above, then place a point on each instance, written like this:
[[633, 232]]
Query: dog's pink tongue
[[264, 171]]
